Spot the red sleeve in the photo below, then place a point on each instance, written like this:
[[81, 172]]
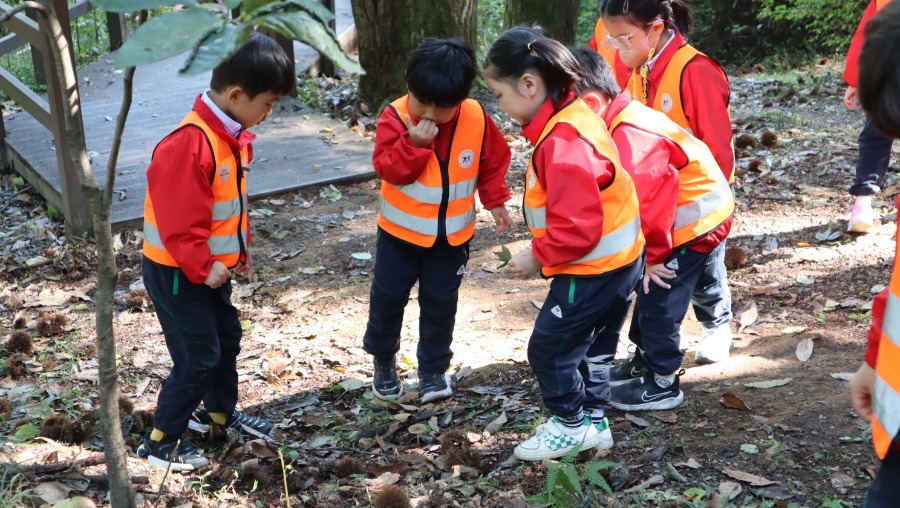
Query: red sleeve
[[851, 71], [653, 162], [495, 155], [592, 43], [396, 159], [178, 181], [878, 308], [572, 173], [705, 95]]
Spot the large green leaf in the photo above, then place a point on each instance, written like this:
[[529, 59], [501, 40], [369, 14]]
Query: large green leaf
[[137, 5], [301, 26], [232, 4], [167, 35], [313, 7], [252, 5], [217, 45]]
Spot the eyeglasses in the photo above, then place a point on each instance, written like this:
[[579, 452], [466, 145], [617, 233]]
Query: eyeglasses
[[624, 41]]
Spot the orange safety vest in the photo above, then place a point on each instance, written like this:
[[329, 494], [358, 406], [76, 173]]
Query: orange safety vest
[[606, 49], [228, 235], [704, 196], [879, 4], [668, 96], [621, 241], [445, 190], [886, 393]]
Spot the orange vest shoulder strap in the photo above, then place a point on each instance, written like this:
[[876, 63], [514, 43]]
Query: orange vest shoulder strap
[[879, 4]]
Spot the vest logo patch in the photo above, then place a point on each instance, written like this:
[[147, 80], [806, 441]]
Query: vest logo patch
[[223, 172], [673, 265], [466, 159], [532, 180], [557, 311], [462, 270], [666, 102]]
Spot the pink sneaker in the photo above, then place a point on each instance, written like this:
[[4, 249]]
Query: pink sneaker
[[862, 218]]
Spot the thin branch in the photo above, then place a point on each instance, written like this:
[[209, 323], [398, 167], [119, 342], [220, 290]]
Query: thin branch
[[362, 452], [23, 190]]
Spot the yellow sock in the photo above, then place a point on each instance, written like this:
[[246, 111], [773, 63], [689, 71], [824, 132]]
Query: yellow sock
[[157, 435], [219, 418]]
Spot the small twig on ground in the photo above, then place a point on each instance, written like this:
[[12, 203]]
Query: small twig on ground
[[38, 469], [23, 190], [287, 496], [162, 482], [362, 452]]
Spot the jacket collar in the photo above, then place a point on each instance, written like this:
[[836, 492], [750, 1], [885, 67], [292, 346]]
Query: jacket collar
[[212, 120], [533, 129], [662, 61], [616, 106]]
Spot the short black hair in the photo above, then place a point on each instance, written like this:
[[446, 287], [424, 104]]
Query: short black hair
[[598, 75], [642, 12], [879, 70], [525, 49], [441, 72], [259, 66]]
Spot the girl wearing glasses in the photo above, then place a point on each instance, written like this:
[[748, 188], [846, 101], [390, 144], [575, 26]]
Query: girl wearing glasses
[[669, 75]]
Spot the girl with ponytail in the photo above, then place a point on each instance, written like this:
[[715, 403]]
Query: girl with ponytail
[[661, 70], [582, 209]]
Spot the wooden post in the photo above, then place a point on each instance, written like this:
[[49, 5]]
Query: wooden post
[[326, 66], [37, 58], [115, 23], [75, 206]]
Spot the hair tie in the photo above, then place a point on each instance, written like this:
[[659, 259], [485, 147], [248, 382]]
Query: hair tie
[[530, 46]]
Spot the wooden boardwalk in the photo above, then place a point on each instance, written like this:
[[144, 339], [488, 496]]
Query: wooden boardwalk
[[295, 147]]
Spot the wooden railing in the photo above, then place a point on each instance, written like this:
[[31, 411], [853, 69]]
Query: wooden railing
[[24, 30]]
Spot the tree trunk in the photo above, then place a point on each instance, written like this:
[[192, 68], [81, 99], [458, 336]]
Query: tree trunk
[[100, 202], [389, 30], [559, 17]]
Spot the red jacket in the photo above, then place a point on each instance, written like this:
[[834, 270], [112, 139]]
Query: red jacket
[[653, 161], [571, 172], [178, 180], [851, 71], [705, 95], [400, 162]]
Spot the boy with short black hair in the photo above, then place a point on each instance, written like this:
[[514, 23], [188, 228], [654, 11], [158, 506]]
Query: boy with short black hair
[[196, 232], [875, 389], [433, 148]]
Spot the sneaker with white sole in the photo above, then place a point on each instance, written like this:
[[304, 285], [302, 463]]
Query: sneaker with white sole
[[632, 368], [715, 345], [862, 217], [248, 427], [553, 439], [606, 440], [647, 393], [434, 386], [386, 384], [163, 453]]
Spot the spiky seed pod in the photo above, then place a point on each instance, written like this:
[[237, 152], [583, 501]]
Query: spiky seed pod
[[126, 406], [138, 299], [20, 342], [5, 409], [54, 427], [254, 473], [744, 141], [48, 364], [390, 496], [15, 366], [14, 301], [20, 321], [51, 324], [768, 138], [735, 257], [756, 165], [347, 466]]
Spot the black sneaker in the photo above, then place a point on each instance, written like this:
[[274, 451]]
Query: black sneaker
[[434, 386], [647, 393], [248, 427], [632, 368], [386, 383], [163, 454]]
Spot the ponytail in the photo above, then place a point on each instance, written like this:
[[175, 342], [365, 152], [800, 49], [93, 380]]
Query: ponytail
[[522, 49], [642, 12]]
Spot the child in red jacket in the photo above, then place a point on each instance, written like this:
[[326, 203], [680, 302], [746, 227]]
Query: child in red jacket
[[433, 148], [581, 207], [686, 210], [671, 76], [874, 146], [195, 234], [875, 389]]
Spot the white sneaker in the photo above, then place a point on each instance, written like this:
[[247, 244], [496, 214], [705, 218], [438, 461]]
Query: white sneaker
[[715, 345], [862, 217], [553, 439], [606, 439]]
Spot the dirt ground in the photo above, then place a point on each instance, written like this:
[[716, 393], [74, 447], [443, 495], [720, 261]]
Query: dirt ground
[[802, 290]]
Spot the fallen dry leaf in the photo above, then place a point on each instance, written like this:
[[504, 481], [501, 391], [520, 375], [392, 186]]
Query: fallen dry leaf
[[769, 384], [752, 479], [691, 463], [495, 425], [383, 480], [748, 316], [637, 420], [805, 349], [728, 491], [732, 401], [390, 468]]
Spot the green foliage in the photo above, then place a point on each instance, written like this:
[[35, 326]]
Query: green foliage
[[566, 486], [587, 20], [12, 489], [826, 24], [137, 5]]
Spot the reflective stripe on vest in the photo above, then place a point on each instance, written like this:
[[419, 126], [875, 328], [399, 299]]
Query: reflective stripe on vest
[[621, 241], [606, 49], [413, 212], [886, 393], [704, 197], [668, 95], [229, 212]]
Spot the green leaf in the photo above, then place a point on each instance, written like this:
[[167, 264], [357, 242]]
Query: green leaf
[[51, 211], [314, 8], [252, 5], [18, 181], [137, 5], [232, 4], [218, 44], [504, 255], [167, 35], [574, 480], [351, 384], [301, 26], [27, 432]]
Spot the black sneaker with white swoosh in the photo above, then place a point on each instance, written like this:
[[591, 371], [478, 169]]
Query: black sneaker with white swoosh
[[646, 394], [632, 368]]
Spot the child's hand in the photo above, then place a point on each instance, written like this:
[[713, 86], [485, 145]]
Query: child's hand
[[502, 219], [861, 387], [246, 267], [423, 133], [657, 273], [524, 264], [218, 275], [851, 96]]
